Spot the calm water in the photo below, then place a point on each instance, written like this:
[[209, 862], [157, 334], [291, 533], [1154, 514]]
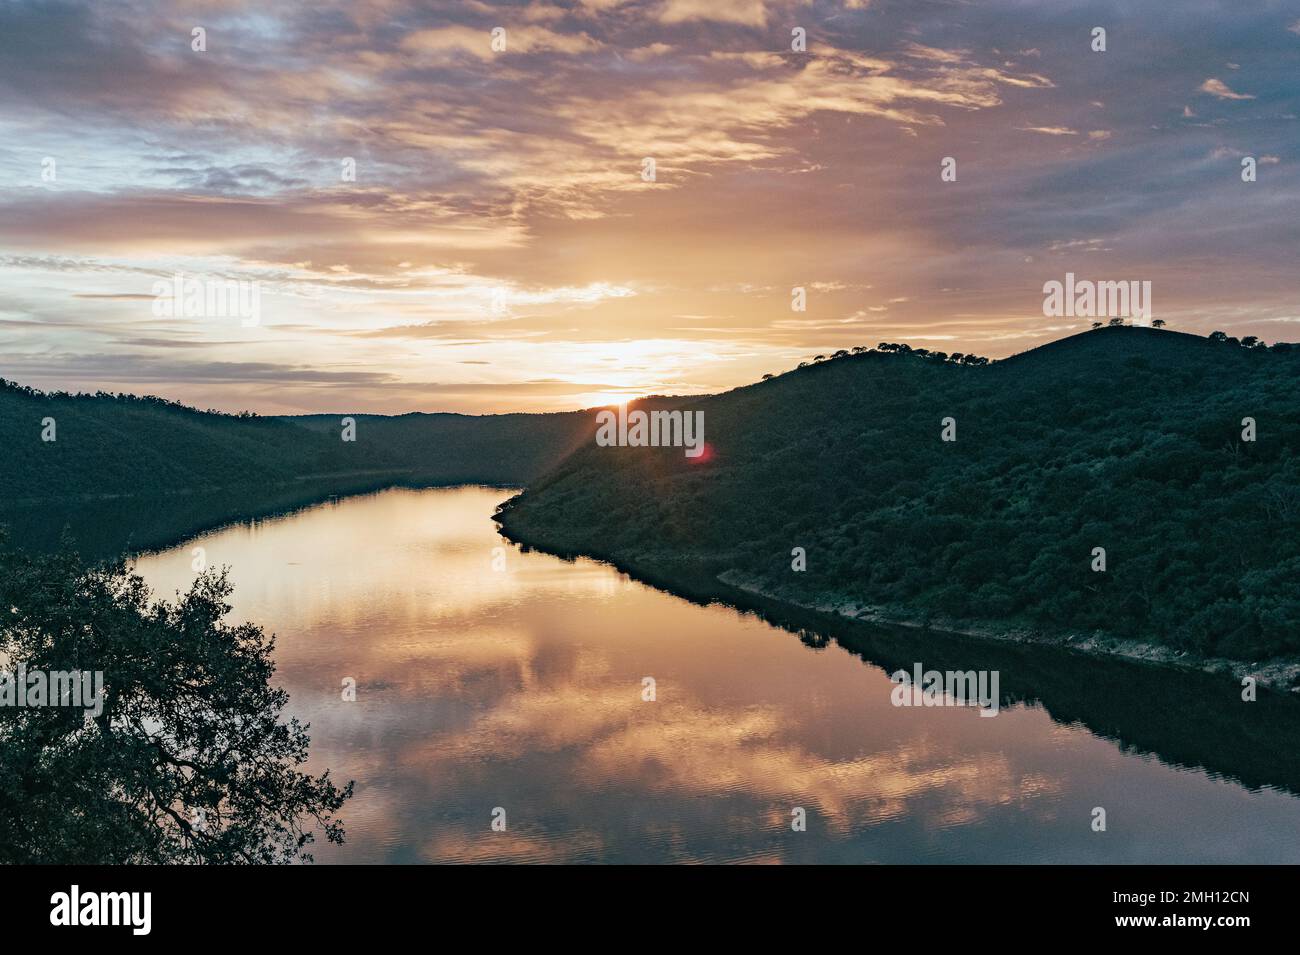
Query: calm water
[[521, 688]]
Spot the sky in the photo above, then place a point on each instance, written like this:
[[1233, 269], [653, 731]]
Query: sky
[[451, 206]]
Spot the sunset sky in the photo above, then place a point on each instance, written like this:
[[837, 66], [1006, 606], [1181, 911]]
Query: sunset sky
[[499, 249]]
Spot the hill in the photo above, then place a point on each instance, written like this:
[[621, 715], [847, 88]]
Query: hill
[[1127, 439], [464, 449], [122, 446], [138, 472], [108, 446]]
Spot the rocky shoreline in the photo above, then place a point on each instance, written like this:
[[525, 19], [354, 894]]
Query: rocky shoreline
[[1282, 675]]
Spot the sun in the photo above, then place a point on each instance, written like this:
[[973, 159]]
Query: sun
[[603, 399]]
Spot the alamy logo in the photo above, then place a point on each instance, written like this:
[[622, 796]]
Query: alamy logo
[[947, 688], [1084, 298], [103, 908], [79, 689], [208, 298], [654, 429]]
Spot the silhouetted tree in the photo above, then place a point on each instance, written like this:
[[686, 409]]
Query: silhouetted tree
[[1158, 323], [957, 358], [189, 760]]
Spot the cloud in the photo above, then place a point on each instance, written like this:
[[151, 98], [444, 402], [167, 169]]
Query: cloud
[[1219, 89], [498, 213], [747, 12], [479, 43]]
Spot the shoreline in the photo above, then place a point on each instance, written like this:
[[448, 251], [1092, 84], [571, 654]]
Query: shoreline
[[146, 523], [691, 580], [1280, 675], [733, 587]]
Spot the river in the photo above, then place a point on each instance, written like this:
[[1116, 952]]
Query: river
[[494, 684]]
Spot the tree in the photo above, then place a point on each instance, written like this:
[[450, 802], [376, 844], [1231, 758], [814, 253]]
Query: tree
[[768, 377], [1096, 324], [1158, 323], [188, 759], [1115, 322]]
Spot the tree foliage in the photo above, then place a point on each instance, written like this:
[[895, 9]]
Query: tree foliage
[[190, 759]]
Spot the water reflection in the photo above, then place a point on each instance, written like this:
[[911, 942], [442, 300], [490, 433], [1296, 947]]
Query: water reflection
[[521, 688]]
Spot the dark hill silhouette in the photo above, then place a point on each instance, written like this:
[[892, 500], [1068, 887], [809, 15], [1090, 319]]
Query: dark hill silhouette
[[446, 448], [1123, 341], [1128, 439], [109, 446], [140, 472]]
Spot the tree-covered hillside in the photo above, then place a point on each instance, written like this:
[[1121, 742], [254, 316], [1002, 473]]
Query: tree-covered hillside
[[114, 445], [1127, 439], [125, 446], [457, 448]]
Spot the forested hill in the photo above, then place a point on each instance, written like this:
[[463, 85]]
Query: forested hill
[[107, 446], [1127, 439], [457, 448]]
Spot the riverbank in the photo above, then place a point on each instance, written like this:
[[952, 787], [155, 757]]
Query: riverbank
[[1281, 675], [690, 579]]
